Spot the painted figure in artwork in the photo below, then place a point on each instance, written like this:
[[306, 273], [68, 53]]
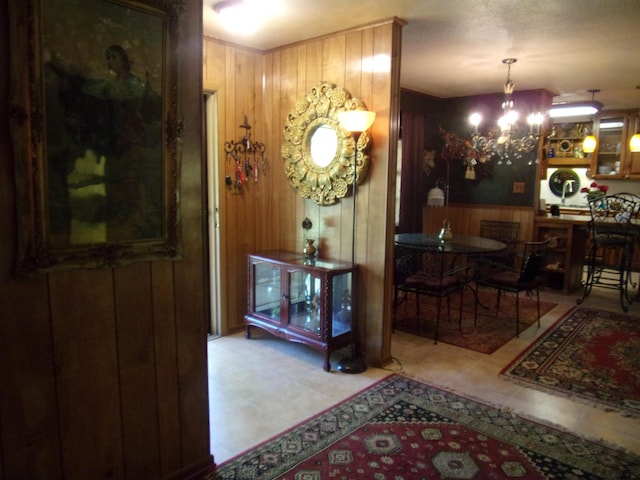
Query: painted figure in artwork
[[105, 175]]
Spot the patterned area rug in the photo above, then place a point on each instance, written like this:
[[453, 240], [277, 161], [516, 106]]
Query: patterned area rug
[[489, 334], [588, 354], [402, 429]]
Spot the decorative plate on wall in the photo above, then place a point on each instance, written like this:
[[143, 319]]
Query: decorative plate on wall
[[558, 179]]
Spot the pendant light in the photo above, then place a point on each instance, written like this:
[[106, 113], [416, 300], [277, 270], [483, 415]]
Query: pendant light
[[590, 142], [634, 141]]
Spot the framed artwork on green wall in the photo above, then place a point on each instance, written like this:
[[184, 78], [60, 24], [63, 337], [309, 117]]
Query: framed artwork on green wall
[[95, 128]]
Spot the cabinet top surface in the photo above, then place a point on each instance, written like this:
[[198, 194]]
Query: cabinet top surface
[[299, 260]]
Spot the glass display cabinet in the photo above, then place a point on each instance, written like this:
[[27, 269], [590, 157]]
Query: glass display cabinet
[[301, 300], [611, 150], [613, 158]]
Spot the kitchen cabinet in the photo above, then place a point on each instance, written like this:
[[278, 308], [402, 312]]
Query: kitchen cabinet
[[566, 253], [301, 300], [634, 157], [612, 158], [564, 144]]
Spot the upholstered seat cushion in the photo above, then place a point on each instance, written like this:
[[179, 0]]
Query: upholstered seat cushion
[[433, 282]]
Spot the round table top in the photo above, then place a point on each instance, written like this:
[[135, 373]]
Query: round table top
[[459, 243]]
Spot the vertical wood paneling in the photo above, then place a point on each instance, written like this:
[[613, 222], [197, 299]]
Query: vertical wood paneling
[[29, 434], [290, 73], [380, 45], [189, 292], [466, 219], [88, 382], [101, 378], [166, 367], [134, 324]]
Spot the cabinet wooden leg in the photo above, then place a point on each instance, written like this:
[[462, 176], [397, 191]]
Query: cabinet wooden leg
[[247, 333], [327, 363]]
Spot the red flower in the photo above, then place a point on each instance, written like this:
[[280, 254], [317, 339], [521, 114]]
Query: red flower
[[594, 188]]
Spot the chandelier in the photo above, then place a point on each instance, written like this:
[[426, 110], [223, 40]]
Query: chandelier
[[503, 143]]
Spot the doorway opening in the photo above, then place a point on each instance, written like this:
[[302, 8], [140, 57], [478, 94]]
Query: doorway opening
[[211, 202]]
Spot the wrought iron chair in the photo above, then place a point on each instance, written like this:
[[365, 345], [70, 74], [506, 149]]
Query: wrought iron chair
[[516, 280], [611, 245], [506, 232], [433, 274]]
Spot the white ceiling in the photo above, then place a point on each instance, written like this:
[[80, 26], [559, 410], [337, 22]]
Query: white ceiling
[[455, 47]]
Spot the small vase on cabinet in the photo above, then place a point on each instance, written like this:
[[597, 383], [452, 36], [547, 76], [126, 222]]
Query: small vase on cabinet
[[309, 248]]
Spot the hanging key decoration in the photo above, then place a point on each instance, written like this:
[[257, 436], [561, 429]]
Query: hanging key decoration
[[245, 155]]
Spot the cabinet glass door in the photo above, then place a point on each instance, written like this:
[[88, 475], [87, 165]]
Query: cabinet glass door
[[305, 305], [610, 145], [267, 290], [341, 322]]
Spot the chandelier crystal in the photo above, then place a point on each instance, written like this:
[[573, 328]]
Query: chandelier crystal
[[504, 143]]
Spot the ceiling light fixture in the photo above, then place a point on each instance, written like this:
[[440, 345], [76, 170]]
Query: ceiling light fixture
[[506, 145], [240, 16], [575, 109]]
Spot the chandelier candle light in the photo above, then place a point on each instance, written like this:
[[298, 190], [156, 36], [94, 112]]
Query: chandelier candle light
[[506, 146]]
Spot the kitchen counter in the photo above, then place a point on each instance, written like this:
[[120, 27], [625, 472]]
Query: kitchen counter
[[565, 218]]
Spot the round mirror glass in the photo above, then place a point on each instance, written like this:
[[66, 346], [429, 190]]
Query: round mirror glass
[[323, 145], [564, 179]]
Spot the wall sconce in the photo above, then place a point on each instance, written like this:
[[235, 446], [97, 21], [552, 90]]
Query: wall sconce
[[436, 196], [244, 158]]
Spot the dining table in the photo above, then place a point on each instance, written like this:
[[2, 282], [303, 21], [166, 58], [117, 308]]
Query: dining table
[[472, 246], [459, 244]]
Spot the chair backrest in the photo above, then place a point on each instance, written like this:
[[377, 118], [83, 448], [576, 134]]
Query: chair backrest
[[534, 255], [611, 215], [507, 232], [634, 198]]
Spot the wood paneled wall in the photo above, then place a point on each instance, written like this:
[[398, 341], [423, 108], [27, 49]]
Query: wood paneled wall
[[465, 219], [269, 212], [103, 373]]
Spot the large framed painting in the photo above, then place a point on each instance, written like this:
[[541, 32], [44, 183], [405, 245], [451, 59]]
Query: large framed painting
[[95, 130]]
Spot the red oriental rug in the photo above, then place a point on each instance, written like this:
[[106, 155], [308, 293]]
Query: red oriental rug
[[490, 332], [402, 429], [590, 355]]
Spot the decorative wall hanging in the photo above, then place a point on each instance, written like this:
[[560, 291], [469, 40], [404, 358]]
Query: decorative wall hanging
[[319, 155], [93, 113], [245, 159]]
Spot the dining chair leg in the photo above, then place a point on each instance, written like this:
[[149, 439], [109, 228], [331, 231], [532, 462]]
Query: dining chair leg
[[591, 269], [460, 309], [435, 342], [538, 300], [476, 292], [517, 314]]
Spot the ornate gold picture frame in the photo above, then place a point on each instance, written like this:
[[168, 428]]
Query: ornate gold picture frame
[[93, 112], [319, 155]]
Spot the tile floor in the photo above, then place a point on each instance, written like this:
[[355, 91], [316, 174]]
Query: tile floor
[[263, 386]]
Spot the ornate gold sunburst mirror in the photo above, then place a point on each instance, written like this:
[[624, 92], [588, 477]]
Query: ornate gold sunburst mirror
[[319, 155]]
